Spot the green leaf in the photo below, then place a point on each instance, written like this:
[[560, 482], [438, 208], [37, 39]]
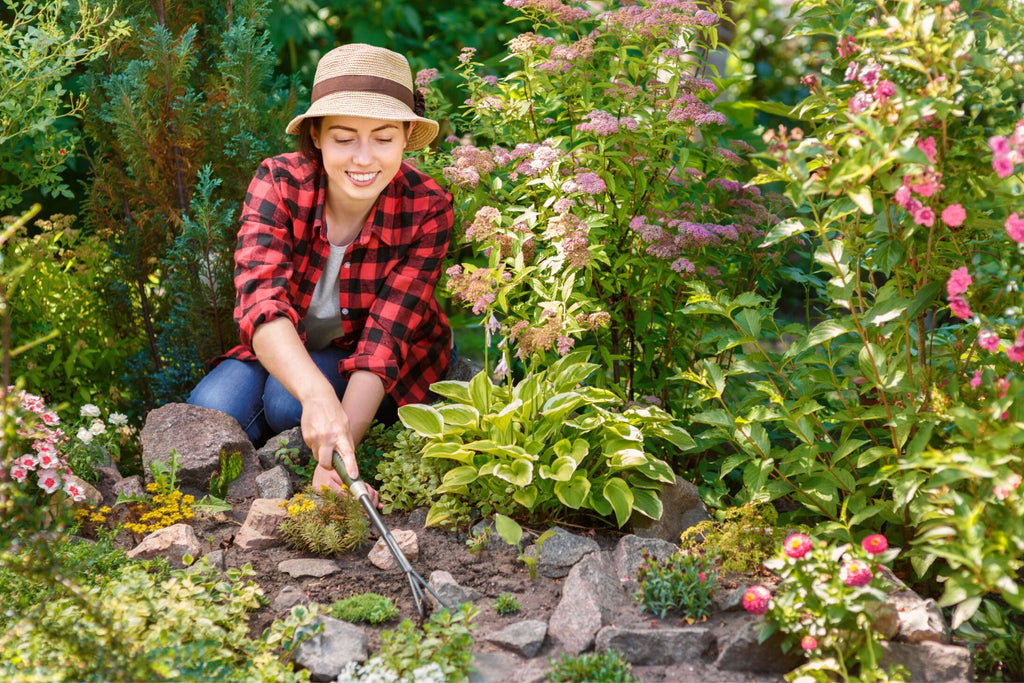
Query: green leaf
[[422, 419], [517, 473], [508, 529], [458, 476], [450, 451], [480, 391], [572, 493], [861, 196], [560, 405], [526, 496], [619, 495], [784, 230], [456, 391], [578, 449], [647, 503], [561, 469], [459, 415]]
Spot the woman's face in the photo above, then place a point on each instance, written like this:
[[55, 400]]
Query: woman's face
[[361, 156]]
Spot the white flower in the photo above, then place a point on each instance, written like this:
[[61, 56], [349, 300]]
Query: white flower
[[89, 410], [49, 480], [84, 435], [98, 427], [74, 490], [118, 419], [18, 472]]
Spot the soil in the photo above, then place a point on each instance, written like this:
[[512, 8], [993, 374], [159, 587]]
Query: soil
[[491, 571]]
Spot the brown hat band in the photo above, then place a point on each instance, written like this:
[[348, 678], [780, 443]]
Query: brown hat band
[[356, 83]]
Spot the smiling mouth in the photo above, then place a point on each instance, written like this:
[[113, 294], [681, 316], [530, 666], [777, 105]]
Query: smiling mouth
[[362, 177]]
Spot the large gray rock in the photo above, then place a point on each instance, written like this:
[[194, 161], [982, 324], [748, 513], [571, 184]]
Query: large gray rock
[[328, 652], [739, 649], [309, 567], [449, 590], [274, 483], [591, 596], [929, 661], [663, 646], [523, 638], [172, 543], [682, 508], [557, 553], [198, 435], [629, 554]]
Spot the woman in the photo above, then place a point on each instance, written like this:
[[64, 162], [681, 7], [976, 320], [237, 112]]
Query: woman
[[339, 251]]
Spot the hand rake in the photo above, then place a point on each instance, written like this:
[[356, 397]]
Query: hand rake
[[416, 582]]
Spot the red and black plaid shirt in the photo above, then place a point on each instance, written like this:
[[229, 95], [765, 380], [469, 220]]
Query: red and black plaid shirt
[[393, 324]]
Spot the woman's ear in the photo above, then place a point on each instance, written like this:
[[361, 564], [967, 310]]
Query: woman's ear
[[314, 134], [408, 130]]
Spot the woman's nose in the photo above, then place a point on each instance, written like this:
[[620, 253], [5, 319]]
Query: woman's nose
[[362, 154]]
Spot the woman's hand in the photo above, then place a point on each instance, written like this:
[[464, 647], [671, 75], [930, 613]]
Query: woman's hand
[[326, 429]]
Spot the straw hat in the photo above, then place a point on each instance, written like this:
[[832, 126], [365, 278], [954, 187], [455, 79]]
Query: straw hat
[[368, 82]]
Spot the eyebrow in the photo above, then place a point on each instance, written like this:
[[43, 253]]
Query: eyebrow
[[353, 130]]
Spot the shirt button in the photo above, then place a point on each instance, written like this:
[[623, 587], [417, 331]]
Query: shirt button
[[344, 311], [348, 264]]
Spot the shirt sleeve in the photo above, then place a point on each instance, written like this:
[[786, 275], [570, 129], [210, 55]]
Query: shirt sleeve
[[263, 257], [403, 311]]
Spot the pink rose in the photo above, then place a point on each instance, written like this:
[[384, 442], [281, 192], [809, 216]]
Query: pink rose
[[797, 545], [924, 216], [875, 544], [954, 215], [855, 573], [958, 282], [1015, 228], [988, 340], [976, 379], [756, 599], [928, 147], [1016, 352], [959, 307], [1003, 166]]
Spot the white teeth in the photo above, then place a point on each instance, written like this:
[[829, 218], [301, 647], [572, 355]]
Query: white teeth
[[362, 177]]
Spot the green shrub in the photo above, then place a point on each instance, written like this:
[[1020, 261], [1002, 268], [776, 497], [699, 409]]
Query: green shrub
[[189, 625], [371, 608], [995, 636], [324, 522], [606, 666], [506, 604], [683, 583], [378, 440], [745, 537]]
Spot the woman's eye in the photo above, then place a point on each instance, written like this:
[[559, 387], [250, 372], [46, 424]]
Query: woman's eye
[[384, 140], [341, 141]]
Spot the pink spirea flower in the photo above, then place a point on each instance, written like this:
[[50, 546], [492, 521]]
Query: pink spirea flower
[[1015, 228], [976, 379], [808, 643], [959, 307], [1002, 386], [874, 544], [988, 340], [855, 573], [1003, 166], [958, 282], [756, 599], [797, 545], [954, 215]]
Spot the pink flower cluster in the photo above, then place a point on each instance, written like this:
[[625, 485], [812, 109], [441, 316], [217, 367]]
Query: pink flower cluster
[[663, 19], [956, 286], [469, 163], [874, 90], [553, 8], [40, 460], [602, 123], [1007, 151], [474, 288]]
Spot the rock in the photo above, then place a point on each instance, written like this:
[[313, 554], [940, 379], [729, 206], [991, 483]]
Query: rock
[[274, 483], [739, 649], [557, 553], [216, 559], [450, 592], [920, 620], [107, 477], [682, 508], [663, 646], [380, 554], [171, 543], [287, 449], [316, 568], [629, 554], [462, 370], [198, 435], [130, 487], [261, 525], [591, 595], [288, 597], [929, 661], [328, 652], [523, 638], [884, 619]]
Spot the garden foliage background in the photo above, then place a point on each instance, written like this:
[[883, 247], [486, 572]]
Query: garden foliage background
[[782, 245]]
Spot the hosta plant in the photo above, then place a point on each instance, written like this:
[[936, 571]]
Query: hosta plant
[[550, 444]]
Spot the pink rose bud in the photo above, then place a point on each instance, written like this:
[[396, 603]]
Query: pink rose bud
[[875, 544], [797, 545], [855, 573]]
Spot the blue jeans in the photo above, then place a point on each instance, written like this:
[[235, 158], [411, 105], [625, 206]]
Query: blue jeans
[[261, 404]]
